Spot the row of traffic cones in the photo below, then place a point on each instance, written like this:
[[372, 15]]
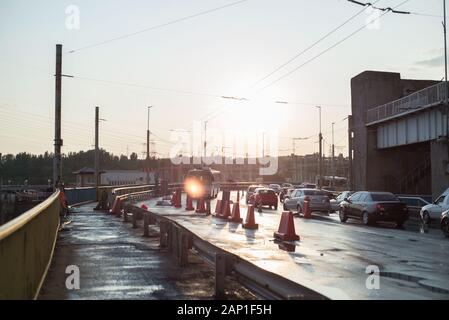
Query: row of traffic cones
[[223, 211], [286, 230]]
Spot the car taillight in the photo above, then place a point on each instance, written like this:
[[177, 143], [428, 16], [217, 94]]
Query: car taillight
[[380, 207]]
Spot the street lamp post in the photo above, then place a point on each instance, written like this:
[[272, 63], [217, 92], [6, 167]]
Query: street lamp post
[[148, 144], [333, 156], [320, 161]]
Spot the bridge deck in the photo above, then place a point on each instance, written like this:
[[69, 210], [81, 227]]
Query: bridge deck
[[116, 262], [331, 257]]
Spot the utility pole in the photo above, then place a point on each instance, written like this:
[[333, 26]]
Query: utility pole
[[205, 139], [320, 161], [97, 151], [148, 144], [295, 158], [446, 82], [57, 167], [333, 156], [350, 154]]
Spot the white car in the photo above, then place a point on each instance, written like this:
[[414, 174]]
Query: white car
[[432, 212]]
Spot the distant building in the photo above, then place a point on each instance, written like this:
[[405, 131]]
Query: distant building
[[85, 177]]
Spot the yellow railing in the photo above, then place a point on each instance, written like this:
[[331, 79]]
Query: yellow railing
[[26, 249]]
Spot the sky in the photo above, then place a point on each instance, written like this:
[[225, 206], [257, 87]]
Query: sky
[[183, 69]]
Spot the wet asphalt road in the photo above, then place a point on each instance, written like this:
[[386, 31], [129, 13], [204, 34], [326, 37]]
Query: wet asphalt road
[[116, 262], [332, 257]]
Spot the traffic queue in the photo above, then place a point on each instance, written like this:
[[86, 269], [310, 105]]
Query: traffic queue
[[367, 206]]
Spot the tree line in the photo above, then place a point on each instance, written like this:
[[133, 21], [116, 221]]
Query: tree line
[[38, 169]]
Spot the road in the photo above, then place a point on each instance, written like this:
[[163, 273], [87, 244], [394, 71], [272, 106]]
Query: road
[[331, 257], [116, 262]]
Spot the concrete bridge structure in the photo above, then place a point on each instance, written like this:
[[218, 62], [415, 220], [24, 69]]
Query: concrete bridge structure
[[399, 134]]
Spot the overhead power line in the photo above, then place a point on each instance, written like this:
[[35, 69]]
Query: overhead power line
[[296, 56], [159, 26], [331, 47]]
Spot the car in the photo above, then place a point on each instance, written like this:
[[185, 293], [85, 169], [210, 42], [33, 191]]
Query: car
[[287, 185], [251, 190], [414, 205], [335, 203], [433, 211], [371, 207], [285, 193], [444, 223], [319, 201], [277, 188], [307, 185], [264, 197]]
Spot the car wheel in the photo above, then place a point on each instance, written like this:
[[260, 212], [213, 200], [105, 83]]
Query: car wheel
[[275, 208], [426, 217], [343, 217], [366, 219], [284, 207], [445, 227], [299, 209]]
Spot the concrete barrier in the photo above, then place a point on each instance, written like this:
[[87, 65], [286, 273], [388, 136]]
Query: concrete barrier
[[26, 248], [80, 195]]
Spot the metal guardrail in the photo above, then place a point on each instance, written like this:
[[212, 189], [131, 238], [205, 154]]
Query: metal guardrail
[[26, 248], [432, 95], [180, 240]]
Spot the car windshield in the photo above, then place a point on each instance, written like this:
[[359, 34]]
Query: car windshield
[[383, 197]]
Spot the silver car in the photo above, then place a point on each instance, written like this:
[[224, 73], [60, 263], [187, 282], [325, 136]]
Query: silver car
[[335, 203], [319, 200], [432, 212]]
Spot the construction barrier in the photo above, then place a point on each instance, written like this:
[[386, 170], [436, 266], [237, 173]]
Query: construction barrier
[[286, 231], [307, 213], [250, 221]]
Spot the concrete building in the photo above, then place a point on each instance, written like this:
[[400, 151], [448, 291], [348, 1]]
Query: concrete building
[[85, 177], [398, 134]]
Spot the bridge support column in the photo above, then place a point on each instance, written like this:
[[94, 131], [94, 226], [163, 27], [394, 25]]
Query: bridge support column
[[220, 274], [146, 223], [135, 225], [184, 250], [163, 225]]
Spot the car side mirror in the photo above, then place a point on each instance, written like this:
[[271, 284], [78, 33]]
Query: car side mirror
[[347, 200]]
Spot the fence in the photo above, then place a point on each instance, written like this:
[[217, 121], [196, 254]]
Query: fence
[[26, 248], [429, 96]]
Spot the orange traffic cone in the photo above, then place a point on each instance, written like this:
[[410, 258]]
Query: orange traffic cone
[[189, 206], [250, 221], [218, 207], [307, 213], [235, 216], [144, 207], [116, 207], [226, 211], [286, 231], [200, 206]]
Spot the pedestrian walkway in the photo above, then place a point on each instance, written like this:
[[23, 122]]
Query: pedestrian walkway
[[116, 262]]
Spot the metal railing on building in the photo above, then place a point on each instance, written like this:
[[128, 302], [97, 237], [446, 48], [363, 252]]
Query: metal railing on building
[[426, 97]]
